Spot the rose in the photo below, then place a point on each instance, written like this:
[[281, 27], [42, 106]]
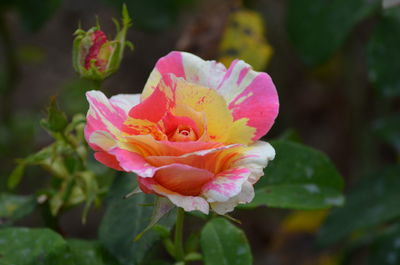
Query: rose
[[192, 135]]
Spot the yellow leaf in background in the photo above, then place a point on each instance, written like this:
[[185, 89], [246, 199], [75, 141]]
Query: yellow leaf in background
[[303, 221], [244, 38]]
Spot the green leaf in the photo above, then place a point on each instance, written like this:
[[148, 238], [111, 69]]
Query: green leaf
[[14, 207], [386, 249], [162, 207], [384, 53], [56, 120], [124, 219], [374, 201], [388, 129], [224, 244], [42, 155], [317, 28], [15, 177], [88, 253], [24, 246], [299, 178]]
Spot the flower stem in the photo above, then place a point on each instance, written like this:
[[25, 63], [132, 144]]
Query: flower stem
[[179, 252], [96, 84]]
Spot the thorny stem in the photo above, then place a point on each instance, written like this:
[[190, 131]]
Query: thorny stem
[[179, 252]]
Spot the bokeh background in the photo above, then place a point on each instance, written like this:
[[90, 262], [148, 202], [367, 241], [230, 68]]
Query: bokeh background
[[335, 65]]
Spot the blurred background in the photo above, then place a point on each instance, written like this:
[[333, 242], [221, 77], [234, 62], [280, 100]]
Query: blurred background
[[335, 64]]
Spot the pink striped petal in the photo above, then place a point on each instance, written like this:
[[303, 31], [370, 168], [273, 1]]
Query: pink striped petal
[[103, 115], [133, 162], [225, 185], [101, 141], [246, 195], [188, 66], [250, 95], [125, 101], [104, 121], [256, 158]]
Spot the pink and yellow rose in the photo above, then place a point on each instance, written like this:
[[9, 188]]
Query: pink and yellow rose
[[193, 135]]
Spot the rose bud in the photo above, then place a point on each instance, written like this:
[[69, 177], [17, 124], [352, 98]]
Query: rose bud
[[94, 56]]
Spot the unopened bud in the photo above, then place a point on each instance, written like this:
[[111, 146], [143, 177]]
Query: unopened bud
[[94, 56]]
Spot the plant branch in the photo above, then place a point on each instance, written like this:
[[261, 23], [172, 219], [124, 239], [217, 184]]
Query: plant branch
[[179, 252]]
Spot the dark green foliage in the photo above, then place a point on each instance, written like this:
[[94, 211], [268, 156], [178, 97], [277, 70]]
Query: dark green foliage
[[299, 178], [373, 202], [24, 246], [386, 249], [56, 119], [14, 207], [224, 244], [317, 28], [88, 253], [388, 129], [125, 219], [384, 54], [27, 246]]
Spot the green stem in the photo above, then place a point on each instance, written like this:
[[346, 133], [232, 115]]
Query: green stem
[[179, 252], [74, 146], [50, 220], [96, 84]]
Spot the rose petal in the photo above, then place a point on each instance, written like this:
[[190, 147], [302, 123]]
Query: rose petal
[[250, 95], [133, 162], [103, 115], [205, 100], [195, 158], [246, 195], [125, 101], [152, 108], [225, 185], [104, 122], [108, 160], [183, 179], [101, 141], [146, 145], [188, 66], [255, 158], [188, 203]]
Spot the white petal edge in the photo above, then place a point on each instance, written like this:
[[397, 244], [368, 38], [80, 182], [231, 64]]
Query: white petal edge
[[125, 101], [256, 159], [245, 196], [189, 203]]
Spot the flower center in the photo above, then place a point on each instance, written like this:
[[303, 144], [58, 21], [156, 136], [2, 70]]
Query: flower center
[[183, 134]]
